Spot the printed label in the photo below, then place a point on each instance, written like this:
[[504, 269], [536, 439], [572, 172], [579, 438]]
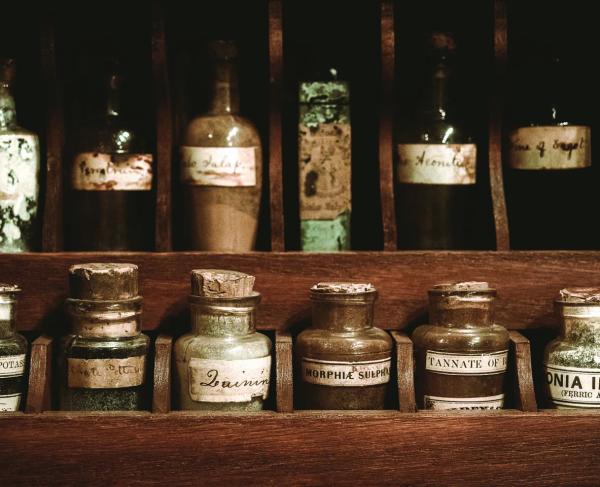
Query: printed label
[[573, 387], [10, 402], [109, 373], [567, 147], [464, 403], [94, 171], [346, 374], [325, 171], [12, 365], [229, 380], [437, 163], [466, 364], [218, 166]]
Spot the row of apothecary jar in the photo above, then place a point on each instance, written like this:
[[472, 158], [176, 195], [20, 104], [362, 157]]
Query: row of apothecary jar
[[341, 361]]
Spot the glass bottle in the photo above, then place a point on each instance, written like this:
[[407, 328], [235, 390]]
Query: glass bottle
[[103, 360], [436, 164], [19, 172], [549, 179], [344, 361], [13, 351], [221, 166], [572, 361], [461, 357], [223, 364], [111, 202]]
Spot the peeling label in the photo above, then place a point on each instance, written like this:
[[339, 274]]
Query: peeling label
[[106, 373], [464, 403], [94, 171], [437, 163], [218, 166], [10, 402], [346, 374]]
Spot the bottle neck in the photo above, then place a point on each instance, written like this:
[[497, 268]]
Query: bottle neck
[[8, 113], [223, 317], [225, 96], [455, 311], [438, 102], [343, 315], [113, 98], [580, 324], [105, 319], [7, 319]]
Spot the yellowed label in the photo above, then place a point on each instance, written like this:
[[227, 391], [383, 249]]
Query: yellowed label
[[12, 366], [466, 364], [94, 171], [567, 147], [106, 373], [437, 163], [573, 387], [325, 171], [10, 402], [464, 403], [218, 166], [346, 374]]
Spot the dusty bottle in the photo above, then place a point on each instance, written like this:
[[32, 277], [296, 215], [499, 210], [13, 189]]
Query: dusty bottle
[[103, 360], [572, 361], [343, 361], [19, 172], [221, 167], [13, 351], [462, 355], [223, 364], [111, 205]]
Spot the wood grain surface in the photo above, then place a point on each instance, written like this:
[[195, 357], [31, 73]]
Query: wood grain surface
[[163, 377], [39, 390], [405, 371], [284, 372], [523, 380]]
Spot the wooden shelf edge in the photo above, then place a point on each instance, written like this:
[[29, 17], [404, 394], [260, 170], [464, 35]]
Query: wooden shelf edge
[[405, 372], [39, 391], [284, 372], [523, 376], [163, 378]]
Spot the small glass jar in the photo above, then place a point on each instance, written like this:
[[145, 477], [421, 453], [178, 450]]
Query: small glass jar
[[461, 357], [343, 361], [13, 351], [223, 364], [572, 361], [103, 360]]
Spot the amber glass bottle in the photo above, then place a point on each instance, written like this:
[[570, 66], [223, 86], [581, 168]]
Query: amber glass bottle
[[462, 355]]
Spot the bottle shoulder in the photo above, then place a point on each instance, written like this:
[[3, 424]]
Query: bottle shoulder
[[561, 351], [435, 337], [19, 132], [222, 131], [13, 345], [253, 345], [319, 341], [122, 343]]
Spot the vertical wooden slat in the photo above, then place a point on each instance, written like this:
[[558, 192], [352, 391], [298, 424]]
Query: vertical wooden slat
[[284, 384], [405, 372], [52, 226], [275, 125], [386, 126], [164, 131], [523, 376], [495, 135], [39, 392], [161, 386]]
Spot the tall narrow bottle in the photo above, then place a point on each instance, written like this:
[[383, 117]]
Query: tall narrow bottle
[[111, 205], [435, 167], [221, 166], [19, 172]]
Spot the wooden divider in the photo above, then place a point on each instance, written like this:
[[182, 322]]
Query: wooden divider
[[39, 391], [163, 376], [405, 372], [523, 377], [284, 372]]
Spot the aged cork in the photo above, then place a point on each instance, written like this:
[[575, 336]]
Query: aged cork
[[103, 282], [221, 283]]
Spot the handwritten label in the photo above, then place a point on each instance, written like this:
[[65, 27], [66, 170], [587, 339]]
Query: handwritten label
[[229, 380], [110, 373], [325, 171], [218, 166], [346, 374], [19, 165], [95, 171], [437, 163], [464, 403], [12, 365], [573, 387], [466, 364], [553, 147], [10, 402]]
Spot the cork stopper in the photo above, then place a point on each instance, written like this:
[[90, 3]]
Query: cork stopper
[[342, 288], [442, 41], [462, 287], [221, 283], [9, 288], [103, 282], [7, 71], [222, 49], [580, 295]]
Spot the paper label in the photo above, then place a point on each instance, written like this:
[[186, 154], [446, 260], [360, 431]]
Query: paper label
[[567, 147], [94, 171], [109, 373], [19, 163], [229, 380], [218, 166], [10, 402], [437, 163], [346, 374], [466, 364], [573, 387], [12, 365], [464, 403], [325, 171]]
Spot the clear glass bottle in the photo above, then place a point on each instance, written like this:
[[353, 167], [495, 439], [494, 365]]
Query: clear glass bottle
[[435, 170], [572, 360], [13, 351], [461, 357], [19, 172], [223, 364], [103, 360], [221, 166], [111, 204], [343, 361]]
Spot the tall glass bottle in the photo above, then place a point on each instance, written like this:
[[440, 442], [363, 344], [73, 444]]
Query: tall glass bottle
[[549, 183], [19, 172], [111, 205], [435, 166], [221, 166]]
